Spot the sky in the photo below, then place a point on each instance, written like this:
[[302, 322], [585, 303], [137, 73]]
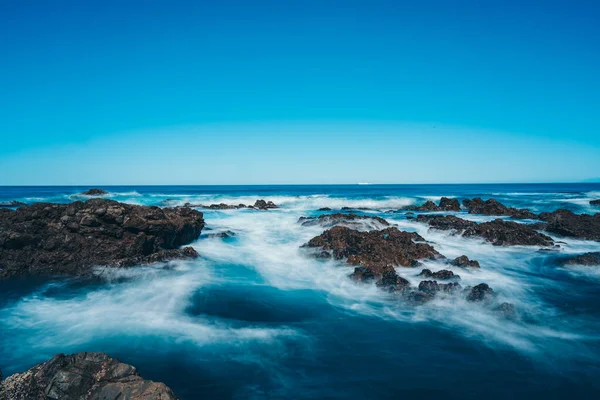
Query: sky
[[284, 91]]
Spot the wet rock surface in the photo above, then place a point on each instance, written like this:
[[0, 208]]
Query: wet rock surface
[[480, 293], [443, 274], [11, 204], [595, 203], [374, 248], [222, 235], [464, 262], [592, 258], [94, 192], [446, 204], [494, 207], [83, 376], [258, 205], [52, 239], [497, 232], [349, 220], [566, 223]]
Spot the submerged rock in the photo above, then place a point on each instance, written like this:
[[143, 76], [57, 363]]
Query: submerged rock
[[595, 203], [464, 262], [443, 274], [11, 204], [432, 287], [94, 192], [349, 220], [582, 259], [374, 248], [222, 235], [220, 206], [497, 232], [83, 376], [480, 292], [51, 239], [566, 223], [324, 209]]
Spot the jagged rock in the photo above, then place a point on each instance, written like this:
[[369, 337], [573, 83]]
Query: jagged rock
[[595, 203], [95, 192], [220, 206], [566, 223], [83, 376], [447, 204], [443, 274], [582, 259], [480, 292], [464, 262], [494, 207], [349, 220], [497, 232], [11, 204], [264, 205], [386, 277], [324, 209], [51, 239], [432, 287], [374, 248]]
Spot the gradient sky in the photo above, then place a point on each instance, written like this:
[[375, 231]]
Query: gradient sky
[[249, 92]]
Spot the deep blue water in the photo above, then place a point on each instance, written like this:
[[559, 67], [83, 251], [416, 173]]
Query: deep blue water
[[255, 318]]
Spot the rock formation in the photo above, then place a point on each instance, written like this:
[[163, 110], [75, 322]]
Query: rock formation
[[349, 220]]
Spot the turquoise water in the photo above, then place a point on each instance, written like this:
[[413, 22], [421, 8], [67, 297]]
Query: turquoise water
[[255, 318]]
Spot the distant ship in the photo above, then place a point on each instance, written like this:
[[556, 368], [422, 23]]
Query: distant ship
[[364, 183]]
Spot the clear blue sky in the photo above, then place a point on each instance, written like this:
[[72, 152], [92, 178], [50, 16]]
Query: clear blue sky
[[282, 91]]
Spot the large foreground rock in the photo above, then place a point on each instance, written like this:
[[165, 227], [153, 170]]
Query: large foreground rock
[[49, 239], [348, 220], [566, 223], [374, 248], [83, 376], [497, 232]]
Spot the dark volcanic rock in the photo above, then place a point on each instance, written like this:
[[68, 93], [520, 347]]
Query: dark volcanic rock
[[595, 202], [95, 192], [386, 277], [582, 259], [497, 232], [446, 204], [324, 209], [443, 274], [566, 223], [431, 287], [264, 205], [480, 292], [50, 239], [83, 376], [494, 207], [464, 262], [220, 206], [11, 204], [349, 220], [374, 248], [222, 235]]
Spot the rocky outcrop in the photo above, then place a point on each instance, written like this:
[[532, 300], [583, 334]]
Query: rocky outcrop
[[443, 274], [51, 239], [464, 262], [566, 223], [264, 205], [374, 248], [258, 205], [595, 203], [94, 192], [324, 209], [497, 232], [11, 204], [349, 220], [446, 204], [385, 277], [432, 287], [494, 207], [83, 376], [480, 293], [581, 259]]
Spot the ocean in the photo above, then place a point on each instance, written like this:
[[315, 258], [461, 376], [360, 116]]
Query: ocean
[[255, 318]]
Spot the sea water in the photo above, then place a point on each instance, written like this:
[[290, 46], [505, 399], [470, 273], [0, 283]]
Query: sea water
[[255, 318]]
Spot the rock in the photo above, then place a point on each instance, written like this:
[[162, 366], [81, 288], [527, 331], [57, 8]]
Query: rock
[[507, 310], [220, 206], [497, 232], [595, 203], [51, 239], [432, 287], [83, 376], [464, 262], [582, 259], [324, 209], [222, 235], [566, 223], [386, 277], [443, 274], [374, 248], [494, 207], [447, 204], [94, 192], [264, 205], [11, 204], [480, 293], [349, 220]]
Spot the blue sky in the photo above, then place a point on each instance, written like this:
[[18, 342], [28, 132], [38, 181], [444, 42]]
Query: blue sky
[[249, 92]]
